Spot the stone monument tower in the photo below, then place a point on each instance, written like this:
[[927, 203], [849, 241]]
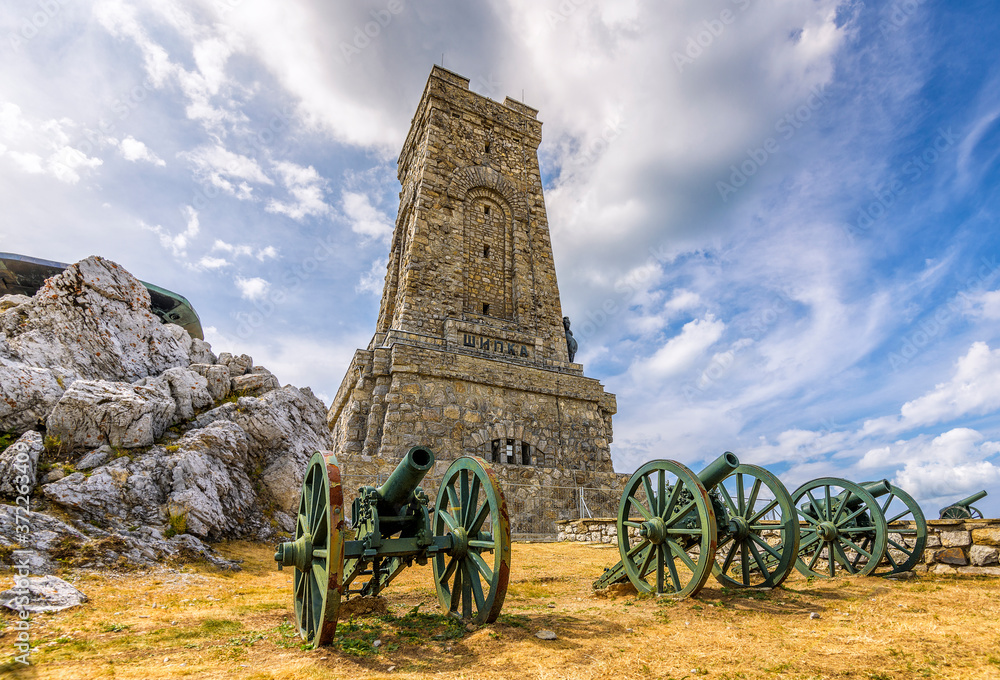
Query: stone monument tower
[[470, 353]]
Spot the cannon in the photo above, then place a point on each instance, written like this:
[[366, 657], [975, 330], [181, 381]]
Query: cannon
[[467, 542], [963, 509], [844, 529], [676, 528]]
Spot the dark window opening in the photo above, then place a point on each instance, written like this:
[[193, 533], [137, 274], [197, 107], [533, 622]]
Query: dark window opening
[[486, 308], [515, 452], [487, 147], [486, 251], [486, 210]]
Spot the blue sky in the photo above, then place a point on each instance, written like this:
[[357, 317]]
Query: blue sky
[[773, 223]]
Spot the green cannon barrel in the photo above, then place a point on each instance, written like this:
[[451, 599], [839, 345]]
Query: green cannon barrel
[[876, 489], [966, 502], [963, 509], [408, 474], [719, 469]]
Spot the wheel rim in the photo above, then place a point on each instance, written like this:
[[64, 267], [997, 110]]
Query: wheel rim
[[317, 553], [761, 547], [906, 543], [668, 507], [838, 537], [471, 578]]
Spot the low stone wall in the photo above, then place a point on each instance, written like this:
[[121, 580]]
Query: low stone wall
[[965, 547]]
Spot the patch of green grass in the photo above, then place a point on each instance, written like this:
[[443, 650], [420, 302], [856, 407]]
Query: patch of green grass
[[286, 635], [358, 638], [173, 448], [247, 640], [178, 525], [214, 626], [53, 444], [6, 439], [416, 627], [115, 627]]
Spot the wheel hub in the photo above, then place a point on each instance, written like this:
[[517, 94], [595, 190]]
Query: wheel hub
[[654, 530], [739, 528], [298, 553], [460, 546], [828, 531]]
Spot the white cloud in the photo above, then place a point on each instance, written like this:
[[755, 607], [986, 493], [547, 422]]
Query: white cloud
[[253, 288], [974, 389], [985, 305], [42, 146], [245, 250], [218, 166], [134, 150], [209, 262], [373, 281], [364, 218], [953, 464], [682, 351], [177, 243], [306, 187]]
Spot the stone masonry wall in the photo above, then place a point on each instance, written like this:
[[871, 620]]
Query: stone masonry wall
[[962, 547]]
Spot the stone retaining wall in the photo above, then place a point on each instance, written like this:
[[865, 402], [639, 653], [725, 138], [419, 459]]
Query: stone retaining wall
[[965, 547]]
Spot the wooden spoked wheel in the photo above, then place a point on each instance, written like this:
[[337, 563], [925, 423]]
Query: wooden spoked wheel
[[760, 548], [666, 530], [317, 553], [907, 532], [472, 577], [844, 532]]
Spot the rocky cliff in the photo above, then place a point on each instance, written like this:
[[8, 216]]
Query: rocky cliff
[[133, 442]]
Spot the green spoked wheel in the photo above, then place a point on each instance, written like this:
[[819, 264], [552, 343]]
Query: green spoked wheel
[[844, 532], [666, 530], [761, 543], [317, 553], [472, 577], [907, 532]]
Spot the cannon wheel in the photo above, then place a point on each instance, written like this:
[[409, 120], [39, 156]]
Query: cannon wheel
[[750, 561], [472, 577], [669, 507], [832, 529], [905, 510], [958, 512], [317, 589]]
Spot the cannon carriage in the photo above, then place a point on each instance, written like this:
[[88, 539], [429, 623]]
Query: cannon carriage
[[675, 528], [963, 509], [873, 528], [467, 541]]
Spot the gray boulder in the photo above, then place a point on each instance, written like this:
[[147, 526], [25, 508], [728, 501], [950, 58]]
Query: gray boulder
[[92, 321], [219, 382], [53, 544], [19, 465], [27, 394], [255, 384], [285, 426], [38, 594], [95, 412], [189, 390]]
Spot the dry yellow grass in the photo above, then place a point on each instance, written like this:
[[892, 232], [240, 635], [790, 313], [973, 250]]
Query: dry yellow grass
[[197, 623]]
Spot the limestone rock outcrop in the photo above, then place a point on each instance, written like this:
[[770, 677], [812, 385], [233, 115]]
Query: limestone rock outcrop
[[138, 433]]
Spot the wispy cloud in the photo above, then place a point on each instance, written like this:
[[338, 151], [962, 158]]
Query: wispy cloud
[[307, 189]]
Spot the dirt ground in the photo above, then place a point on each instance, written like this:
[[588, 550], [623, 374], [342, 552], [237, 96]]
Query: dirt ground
[[195, 622]]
